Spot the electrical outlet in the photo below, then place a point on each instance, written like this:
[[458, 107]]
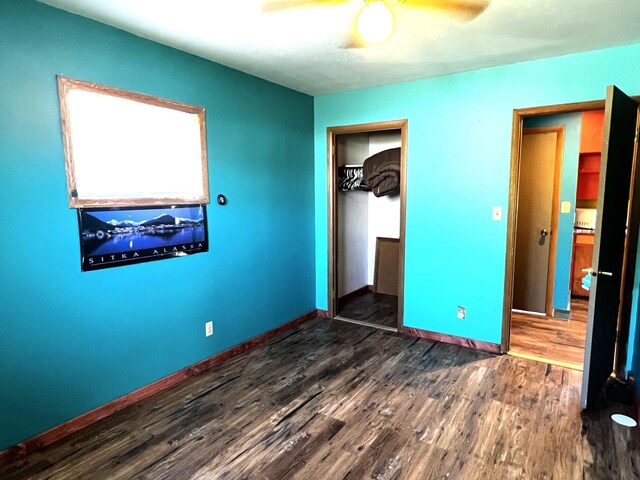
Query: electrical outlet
[[462, 312], [208, 329]]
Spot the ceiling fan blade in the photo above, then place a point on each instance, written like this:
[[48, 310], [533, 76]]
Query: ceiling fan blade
[[463, 9], [278, 5]]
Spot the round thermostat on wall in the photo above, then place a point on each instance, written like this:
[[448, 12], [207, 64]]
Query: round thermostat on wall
[[222, 200]]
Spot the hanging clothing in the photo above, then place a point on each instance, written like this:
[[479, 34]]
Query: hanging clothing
[[351, 178], [382, 172]]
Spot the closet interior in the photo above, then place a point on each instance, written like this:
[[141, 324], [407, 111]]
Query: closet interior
[[368, 227]]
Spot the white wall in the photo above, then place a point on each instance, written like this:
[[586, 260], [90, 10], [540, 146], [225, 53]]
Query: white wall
[[384, 212], [353, 219]]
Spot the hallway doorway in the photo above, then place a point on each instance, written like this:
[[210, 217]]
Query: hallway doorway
[[609, 175]]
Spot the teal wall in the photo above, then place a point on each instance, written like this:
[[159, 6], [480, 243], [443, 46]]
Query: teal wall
[[568, 187], [71, 341], [459, 144]]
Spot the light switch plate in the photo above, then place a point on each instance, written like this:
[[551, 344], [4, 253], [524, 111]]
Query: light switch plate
[[497, 213], [565, 207]]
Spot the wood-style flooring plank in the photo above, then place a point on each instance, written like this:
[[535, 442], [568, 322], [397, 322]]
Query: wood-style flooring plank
[[372, 307], [333, 400], [549, 339]]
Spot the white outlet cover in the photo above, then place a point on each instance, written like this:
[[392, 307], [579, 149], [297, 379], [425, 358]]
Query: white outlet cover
[[497, 213], [462, 312], [208, 329]]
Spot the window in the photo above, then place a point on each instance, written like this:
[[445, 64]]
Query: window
[[125, 149]]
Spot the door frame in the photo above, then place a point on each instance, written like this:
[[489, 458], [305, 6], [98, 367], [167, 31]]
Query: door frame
[[332, 203], [629, 261], [630, 246], [559, 130]]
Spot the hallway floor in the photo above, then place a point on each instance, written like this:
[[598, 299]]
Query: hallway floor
[[551, 340]]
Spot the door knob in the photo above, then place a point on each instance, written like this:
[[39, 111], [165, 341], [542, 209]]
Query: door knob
[[595, 273], [544, 232]]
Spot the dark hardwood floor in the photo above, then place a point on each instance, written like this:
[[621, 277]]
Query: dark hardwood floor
[[371, 307], [551, 340], [334, 400]]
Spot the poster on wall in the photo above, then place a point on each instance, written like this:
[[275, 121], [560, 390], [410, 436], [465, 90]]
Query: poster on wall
[[113, 237]]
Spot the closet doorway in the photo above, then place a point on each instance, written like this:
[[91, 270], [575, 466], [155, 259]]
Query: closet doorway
[[366, 199]]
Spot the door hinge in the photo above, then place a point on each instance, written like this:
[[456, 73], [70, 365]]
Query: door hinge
[[637, 134]]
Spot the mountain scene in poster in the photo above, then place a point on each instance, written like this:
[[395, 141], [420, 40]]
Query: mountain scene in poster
[[113, 231]]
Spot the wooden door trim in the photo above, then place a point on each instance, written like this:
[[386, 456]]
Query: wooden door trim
[[516, 145], [576, 107], [332, 202], [555, 204], [629, 261]]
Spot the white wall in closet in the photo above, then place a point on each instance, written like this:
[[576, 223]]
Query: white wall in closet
[[353, 219], [384, 212]]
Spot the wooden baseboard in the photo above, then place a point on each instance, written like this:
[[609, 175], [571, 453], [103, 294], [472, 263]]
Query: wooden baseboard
[[58, 432], [442, 337], [323, 313]]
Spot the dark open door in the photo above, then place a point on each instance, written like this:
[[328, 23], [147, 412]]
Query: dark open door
[[608, 252]]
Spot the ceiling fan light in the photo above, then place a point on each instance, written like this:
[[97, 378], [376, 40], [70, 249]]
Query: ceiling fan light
[[375, 22]]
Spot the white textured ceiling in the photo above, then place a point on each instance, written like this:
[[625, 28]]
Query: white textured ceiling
[[303, 48]]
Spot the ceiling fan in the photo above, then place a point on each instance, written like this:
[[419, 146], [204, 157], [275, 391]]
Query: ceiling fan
[[375, 22]]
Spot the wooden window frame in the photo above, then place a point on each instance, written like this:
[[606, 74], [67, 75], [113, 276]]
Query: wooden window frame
[[65, 86]]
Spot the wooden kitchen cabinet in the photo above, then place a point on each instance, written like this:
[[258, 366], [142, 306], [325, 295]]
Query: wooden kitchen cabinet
[[582, 255]]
